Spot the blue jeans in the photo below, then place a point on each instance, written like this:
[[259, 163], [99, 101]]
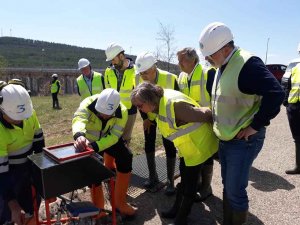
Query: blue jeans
[[236, 158]]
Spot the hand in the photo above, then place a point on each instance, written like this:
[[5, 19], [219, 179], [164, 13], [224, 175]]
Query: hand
[[16, 212], [81, 143], [147, 124], [245, 133]]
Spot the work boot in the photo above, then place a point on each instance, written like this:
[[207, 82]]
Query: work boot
[[184, 211], [170, 190], [227, 212], [171, 213], [239, 217], [121, 186], [153, 177], [98, 199], [205, 179], [296, 170]]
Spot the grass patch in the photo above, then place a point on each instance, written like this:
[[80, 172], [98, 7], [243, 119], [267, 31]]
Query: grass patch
[[57, 124]]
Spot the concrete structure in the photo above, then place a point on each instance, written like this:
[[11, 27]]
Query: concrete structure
[[38, 80]]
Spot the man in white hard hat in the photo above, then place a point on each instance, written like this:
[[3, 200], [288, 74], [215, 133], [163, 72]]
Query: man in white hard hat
[[89, 82], [245, 97], [147, 71], [120, 75], [99, 123], [21, 135], [55, 88], [196, 82]]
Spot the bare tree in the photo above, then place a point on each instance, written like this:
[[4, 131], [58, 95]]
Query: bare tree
[[166, 51]]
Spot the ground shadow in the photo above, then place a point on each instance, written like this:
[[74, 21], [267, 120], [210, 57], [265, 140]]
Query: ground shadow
[[267, 181]]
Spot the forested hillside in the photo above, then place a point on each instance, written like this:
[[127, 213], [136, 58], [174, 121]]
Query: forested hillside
[[27, 53]]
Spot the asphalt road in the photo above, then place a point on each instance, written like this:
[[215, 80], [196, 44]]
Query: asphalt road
[[274, 196]]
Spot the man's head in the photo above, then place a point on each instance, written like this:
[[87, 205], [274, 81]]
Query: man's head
[[15, 102], [107, 103], [146, 66], [216, 43], [187, 59], [54, 76], [115, 54], [84, 66]]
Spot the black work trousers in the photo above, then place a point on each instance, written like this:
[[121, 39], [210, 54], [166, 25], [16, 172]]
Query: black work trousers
[[55, 103], [293, 114]]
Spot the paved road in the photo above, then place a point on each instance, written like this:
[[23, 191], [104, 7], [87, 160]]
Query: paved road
[[274, 196]]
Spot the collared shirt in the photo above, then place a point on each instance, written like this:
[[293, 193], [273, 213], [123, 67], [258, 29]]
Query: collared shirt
[[89, 81]]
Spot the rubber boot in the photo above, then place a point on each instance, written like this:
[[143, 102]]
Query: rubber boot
[[239, 218], [98, 199], [205, 189], [184, 211], [227, 212], [153, 177], [296, 170], [170, 190], [171, 213], [109, 162], [121, 186]]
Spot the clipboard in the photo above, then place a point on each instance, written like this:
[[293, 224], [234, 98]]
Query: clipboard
[[66, 152]]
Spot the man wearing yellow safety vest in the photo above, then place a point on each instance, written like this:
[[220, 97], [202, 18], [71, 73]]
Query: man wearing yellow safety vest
[[120, 75], [292, 103], [55, 88], [196, 82], [147, 71], [21, 135], [245, 97], [89, 82], [99, 123], [182, 121]]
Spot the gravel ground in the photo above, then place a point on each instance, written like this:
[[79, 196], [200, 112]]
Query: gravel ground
[[274, 196]]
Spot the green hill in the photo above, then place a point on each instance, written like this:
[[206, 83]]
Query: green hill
[[20, 53]]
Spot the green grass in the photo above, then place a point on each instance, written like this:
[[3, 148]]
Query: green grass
[[57, 124]]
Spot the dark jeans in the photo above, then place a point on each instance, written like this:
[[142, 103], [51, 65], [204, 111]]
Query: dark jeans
[[150, 139], [236, 158], [20, 180], [55, 102]]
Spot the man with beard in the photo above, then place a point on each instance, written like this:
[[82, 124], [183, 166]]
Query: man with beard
[[120, 75]]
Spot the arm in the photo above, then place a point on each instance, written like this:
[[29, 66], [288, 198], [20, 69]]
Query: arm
[[38, 139], [256, 79], [186, 113]]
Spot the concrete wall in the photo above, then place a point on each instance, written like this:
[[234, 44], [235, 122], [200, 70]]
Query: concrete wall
[[38, 80]]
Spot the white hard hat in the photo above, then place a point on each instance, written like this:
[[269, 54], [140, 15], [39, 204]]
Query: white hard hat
[[108, 101], [83, 63], [213, 37], [54, 75], [16, 102], [144, 61], [112, 51]]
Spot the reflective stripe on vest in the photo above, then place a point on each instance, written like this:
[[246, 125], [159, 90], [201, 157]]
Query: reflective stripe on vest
[[294, 95], [197, 90], [232, 109], [97, 85], [21, 151]]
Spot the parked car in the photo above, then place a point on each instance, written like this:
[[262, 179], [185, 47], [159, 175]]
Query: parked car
[[287, 74], [277, 70]]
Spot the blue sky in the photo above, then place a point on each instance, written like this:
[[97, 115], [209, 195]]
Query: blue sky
[[135, 23]]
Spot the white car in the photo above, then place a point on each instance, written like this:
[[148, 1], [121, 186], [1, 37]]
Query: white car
[[288, 71]]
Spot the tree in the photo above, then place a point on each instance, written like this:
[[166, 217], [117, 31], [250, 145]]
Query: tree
[[166, 51]]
